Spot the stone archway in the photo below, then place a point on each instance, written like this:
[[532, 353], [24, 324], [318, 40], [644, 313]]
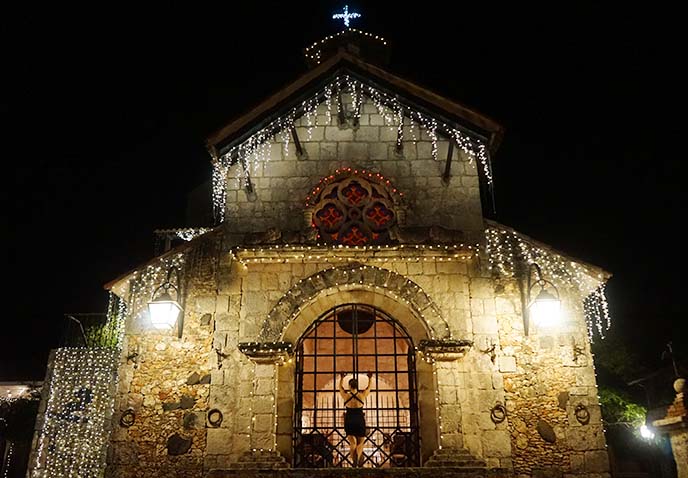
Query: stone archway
[[317, 303], [382, 282]]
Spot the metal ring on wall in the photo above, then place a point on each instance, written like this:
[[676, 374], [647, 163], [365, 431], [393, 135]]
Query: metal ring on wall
[[128, 418], [498, 413], [582, 414], [215, 417]]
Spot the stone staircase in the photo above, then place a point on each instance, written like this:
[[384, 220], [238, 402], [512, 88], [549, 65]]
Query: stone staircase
[[259, 460], [455, 458], [444, 463]]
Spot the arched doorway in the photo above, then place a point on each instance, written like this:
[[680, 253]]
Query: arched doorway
[[356, 339]]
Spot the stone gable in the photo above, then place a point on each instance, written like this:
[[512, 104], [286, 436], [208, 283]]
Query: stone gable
[[282, 183]]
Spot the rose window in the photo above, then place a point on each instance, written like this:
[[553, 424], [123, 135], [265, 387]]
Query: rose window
[[354, 212]]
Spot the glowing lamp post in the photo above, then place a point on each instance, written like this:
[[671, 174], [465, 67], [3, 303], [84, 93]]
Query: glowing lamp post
[[164, 310], [545, 309]]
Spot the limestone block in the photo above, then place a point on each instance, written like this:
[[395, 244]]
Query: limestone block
[[218, 441], [485, 324], [203, 304], [376, 119], [424, 150], [496, 443], [389, 134], [281, 169], [507, 364], [448, 395], [263, 404], [328, 151], [596, 461], [473, 443], [334, 133], [497, 381], [314, 133], [368, 134], [265, 386], [590, 437], [489, 307], [353, 151], [481, 288], [312, 151], [421, 168], [253, 282], [217, 377], [263, 423], [211, 462], [263, 441], [585, 377], [577, 462], [452, 440], [222, 397]]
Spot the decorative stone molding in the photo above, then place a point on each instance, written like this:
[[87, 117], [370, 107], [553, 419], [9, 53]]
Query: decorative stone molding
[[444, 350], [267, 352], [381, 280]]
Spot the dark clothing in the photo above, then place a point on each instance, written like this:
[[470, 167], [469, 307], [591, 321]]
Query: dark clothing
[[354, 422]]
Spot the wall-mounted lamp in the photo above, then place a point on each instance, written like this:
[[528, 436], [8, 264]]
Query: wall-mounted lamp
[[545, 309], [165, 310]]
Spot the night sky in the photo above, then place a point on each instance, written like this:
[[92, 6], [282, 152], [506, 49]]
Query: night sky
[[105, 110]]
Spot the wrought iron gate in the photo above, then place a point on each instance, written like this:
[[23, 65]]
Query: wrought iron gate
[[356, 339]]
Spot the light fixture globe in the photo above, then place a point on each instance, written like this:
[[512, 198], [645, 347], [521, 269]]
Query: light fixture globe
[[164, 311], [545, 310]]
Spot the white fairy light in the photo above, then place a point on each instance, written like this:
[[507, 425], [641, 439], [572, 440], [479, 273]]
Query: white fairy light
[[346, 15], [254, 152], [505, 249], [75, 432]]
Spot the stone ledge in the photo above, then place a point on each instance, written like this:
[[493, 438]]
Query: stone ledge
[[444, 350], [362, 473], [267, 352]]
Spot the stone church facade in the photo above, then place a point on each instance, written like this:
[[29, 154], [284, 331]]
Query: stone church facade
[[352, 240]]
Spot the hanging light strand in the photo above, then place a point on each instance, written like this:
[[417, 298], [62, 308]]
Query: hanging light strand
[[506, 249], [254, 152]]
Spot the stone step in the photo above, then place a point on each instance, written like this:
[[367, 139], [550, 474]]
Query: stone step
[[451, 451], [362, 473], [474, 464], [258, 466]]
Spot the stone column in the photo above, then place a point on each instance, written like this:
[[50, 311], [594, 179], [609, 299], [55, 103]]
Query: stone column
[[263, 416], [675, 424]]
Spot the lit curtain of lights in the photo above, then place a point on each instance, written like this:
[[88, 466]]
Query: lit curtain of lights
[[505, 249], [143, 283], [117, 316], [254, 153], [74, 438]]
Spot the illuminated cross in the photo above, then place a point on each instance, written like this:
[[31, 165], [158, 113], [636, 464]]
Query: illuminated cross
[[346, 15]]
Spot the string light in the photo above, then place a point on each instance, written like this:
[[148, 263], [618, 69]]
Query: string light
[[138, 288], [75, 433], [8, 461], [254, 152], [314, 51], [341, 253], [190, 234], [342, 172], [346, 15], [505, 249]]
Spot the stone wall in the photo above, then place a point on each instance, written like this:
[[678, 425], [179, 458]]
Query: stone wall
[[282, 183], [164, 388], [547, 376], [540, 379], [274, 294]]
